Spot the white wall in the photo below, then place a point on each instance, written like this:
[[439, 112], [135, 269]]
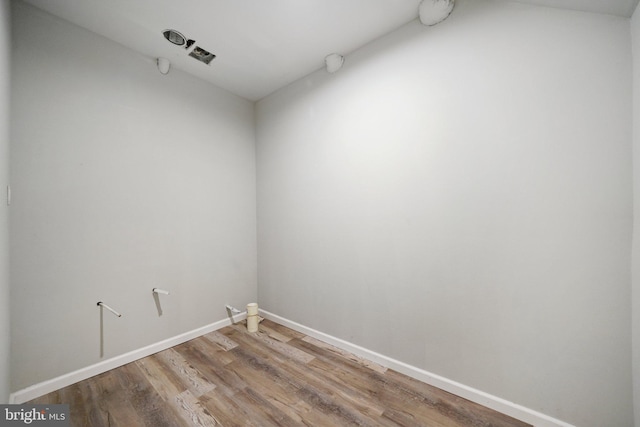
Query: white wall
[[123, 180], [635, 37], [459, 198], [5, 46]]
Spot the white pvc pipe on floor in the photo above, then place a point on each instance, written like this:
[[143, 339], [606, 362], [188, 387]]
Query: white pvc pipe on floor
[[252, 317]]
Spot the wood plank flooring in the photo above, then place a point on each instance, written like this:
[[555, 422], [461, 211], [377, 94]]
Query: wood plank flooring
[[276, 377]]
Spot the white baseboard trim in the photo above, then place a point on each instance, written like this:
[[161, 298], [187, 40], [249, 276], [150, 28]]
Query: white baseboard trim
[[65, 380], [496, 403]]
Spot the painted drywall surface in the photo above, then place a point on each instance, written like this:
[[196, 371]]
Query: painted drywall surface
[[635, 37], [459, 198], [5, 46], [123, 180]]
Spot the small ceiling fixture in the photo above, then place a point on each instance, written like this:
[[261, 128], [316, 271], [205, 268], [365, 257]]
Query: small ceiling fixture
[[177, 38], [163, 65], [433, 12], [174, 37], [334, 62]]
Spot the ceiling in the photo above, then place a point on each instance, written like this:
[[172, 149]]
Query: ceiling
[[260, 45], [623, 8]]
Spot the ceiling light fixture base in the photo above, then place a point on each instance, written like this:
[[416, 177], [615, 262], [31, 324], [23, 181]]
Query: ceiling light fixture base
[[433, 12], [163, 65], [334, 62]]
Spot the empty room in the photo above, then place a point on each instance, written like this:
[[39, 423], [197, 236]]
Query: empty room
[[320, 212]]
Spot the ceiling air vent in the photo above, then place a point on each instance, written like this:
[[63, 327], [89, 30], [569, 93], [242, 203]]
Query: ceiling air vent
[[202, 55]]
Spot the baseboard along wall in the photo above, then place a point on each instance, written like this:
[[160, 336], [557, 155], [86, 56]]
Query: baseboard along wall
[[40, 389], [496, 403]]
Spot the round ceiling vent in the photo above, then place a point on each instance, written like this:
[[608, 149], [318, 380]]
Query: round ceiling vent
[[174, 37]]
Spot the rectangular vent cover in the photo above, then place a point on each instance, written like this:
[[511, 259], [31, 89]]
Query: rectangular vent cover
[[202, 55]]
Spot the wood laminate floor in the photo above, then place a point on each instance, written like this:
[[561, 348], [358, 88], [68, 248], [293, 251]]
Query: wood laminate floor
[[276, 377]]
